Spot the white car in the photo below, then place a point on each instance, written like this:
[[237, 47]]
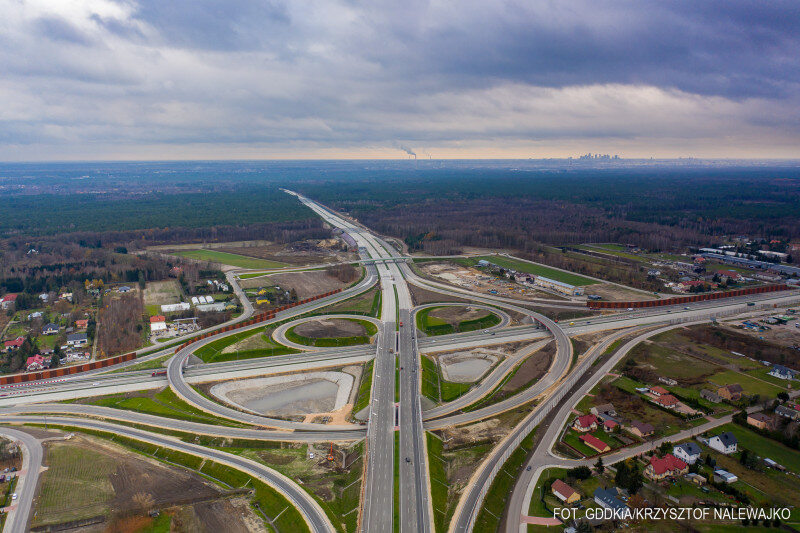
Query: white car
[[14, 496]]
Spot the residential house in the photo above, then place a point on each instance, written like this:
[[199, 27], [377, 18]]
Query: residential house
[[564, 492], [688, 452], [14, 344], [658, 391], [667, 401], [724, 443], [585, 423], [610, 425], [77, 339], [8, 300], [607, 499], [667, 381], [667, 466], [50, 329], [730, 274], [35, 362], [158, 323], [640, 429], [604, 411], [709, 395], [594, 443], [83, 323], [124, 289], [723, 476], [35, 314], [786, 412], [761, 421], [732, 393], [781, 372]]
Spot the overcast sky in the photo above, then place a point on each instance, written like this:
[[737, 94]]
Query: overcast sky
[[182, 79]]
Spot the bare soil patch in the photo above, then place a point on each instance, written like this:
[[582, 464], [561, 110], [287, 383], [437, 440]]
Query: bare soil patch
[[325, 328], [90, 477], [306, 284], [533, 368], [162, 292], [457, 314], [424, 296], [615, 293], [296, 253]]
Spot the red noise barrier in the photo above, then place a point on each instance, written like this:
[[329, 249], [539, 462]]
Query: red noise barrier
[[102, 363], [65, 370], [687, 299]]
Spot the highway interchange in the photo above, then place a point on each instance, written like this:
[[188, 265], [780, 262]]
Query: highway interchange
[[397, 345]]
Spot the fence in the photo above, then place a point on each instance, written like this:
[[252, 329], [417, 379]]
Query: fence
[[65, 370], [686, 299]]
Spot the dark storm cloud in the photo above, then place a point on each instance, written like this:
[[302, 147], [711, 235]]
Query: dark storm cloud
[[398, 74]]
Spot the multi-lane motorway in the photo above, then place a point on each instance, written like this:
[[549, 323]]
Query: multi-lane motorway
[[395, 408]]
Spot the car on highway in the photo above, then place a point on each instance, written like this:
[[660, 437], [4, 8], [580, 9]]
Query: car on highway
[[630, 309], [408, 460]]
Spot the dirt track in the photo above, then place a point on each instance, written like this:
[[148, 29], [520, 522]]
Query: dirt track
[[330, 328]]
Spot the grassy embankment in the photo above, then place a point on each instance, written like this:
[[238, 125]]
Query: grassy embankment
[[371, 330]]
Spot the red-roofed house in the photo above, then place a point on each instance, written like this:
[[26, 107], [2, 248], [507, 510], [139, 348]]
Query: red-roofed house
[[658, 390], [8, 300], [14, 344], [585, 423], [668, 401], [158, 323], [594, 443], [667, 466], [83, 323], [564, 492], [730, 274], [610, 425], [34, 362]]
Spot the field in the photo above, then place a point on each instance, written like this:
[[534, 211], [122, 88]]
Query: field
[[451, 319], [87, 477], [337, 332], [225, 258], [537, 270], [306, 283]]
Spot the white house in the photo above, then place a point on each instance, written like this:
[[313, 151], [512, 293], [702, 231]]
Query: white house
[[724, 443], [688, 452], [781, 372], [77, 339]]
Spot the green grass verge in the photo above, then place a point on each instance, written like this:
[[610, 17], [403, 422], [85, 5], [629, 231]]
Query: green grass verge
[[496, 498], [225, 258], [364, 388], [439, 486], [164, 403], [430, 379]]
